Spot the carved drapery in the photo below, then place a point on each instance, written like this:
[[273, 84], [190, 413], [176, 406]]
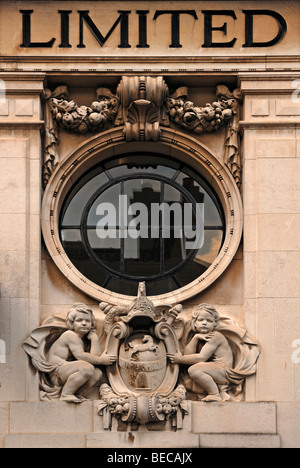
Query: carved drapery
[[142, 105], [51, 158]]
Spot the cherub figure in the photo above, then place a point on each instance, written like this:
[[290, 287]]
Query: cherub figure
[[76, 369], [208, 354], [67, 353]]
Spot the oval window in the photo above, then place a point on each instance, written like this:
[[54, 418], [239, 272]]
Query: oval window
[[142, 217]]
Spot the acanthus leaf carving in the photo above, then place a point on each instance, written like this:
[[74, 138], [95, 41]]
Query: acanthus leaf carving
[[142, 121], [143, 107]]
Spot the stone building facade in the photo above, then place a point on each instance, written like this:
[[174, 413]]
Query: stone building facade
[[173, 98]]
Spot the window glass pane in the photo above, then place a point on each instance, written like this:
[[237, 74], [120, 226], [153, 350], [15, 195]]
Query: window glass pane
[[105, 209], [142, 257], [174, 253], [128, 288], [212, 215], [192, 187], [190, 272], [162, 286], [144, 191], [210, 250], [71, 240], [107, 250], [76, 206], [141, 163], [141, 195]]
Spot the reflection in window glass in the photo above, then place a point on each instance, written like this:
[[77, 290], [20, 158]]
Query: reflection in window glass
[[124, 222], [76, 206]]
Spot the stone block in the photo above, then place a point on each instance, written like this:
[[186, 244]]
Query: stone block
[[288, 423], [260, 107], [13, 193], [233, 418], [4, 412], [51, 417], [286, 331], [142, 440], [5, 327], [278, 232], [277, 185], [24, 107], [13, 147], [13, 274], [276, 148], [287, 108], [4, 108], [45, 441], [13, 232], [263, 441], [276, 274], [271, 186]]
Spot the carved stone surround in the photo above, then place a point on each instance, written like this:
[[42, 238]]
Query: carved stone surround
[[172, 143]]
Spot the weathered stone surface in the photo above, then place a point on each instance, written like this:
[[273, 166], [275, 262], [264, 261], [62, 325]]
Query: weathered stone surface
[[233, 418], [52, 417], [260, 287], [45, 441], [165, 440], [239, 441]]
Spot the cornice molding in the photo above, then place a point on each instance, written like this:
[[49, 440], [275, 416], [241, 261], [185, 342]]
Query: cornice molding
[[151, 59]]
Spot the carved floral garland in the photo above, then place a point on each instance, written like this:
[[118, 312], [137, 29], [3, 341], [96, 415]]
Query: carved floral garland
[[108, 111]]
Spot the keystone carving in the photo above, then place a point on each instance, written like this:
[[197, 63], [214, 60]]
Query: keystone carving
[[143, 107], [145, 361]]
